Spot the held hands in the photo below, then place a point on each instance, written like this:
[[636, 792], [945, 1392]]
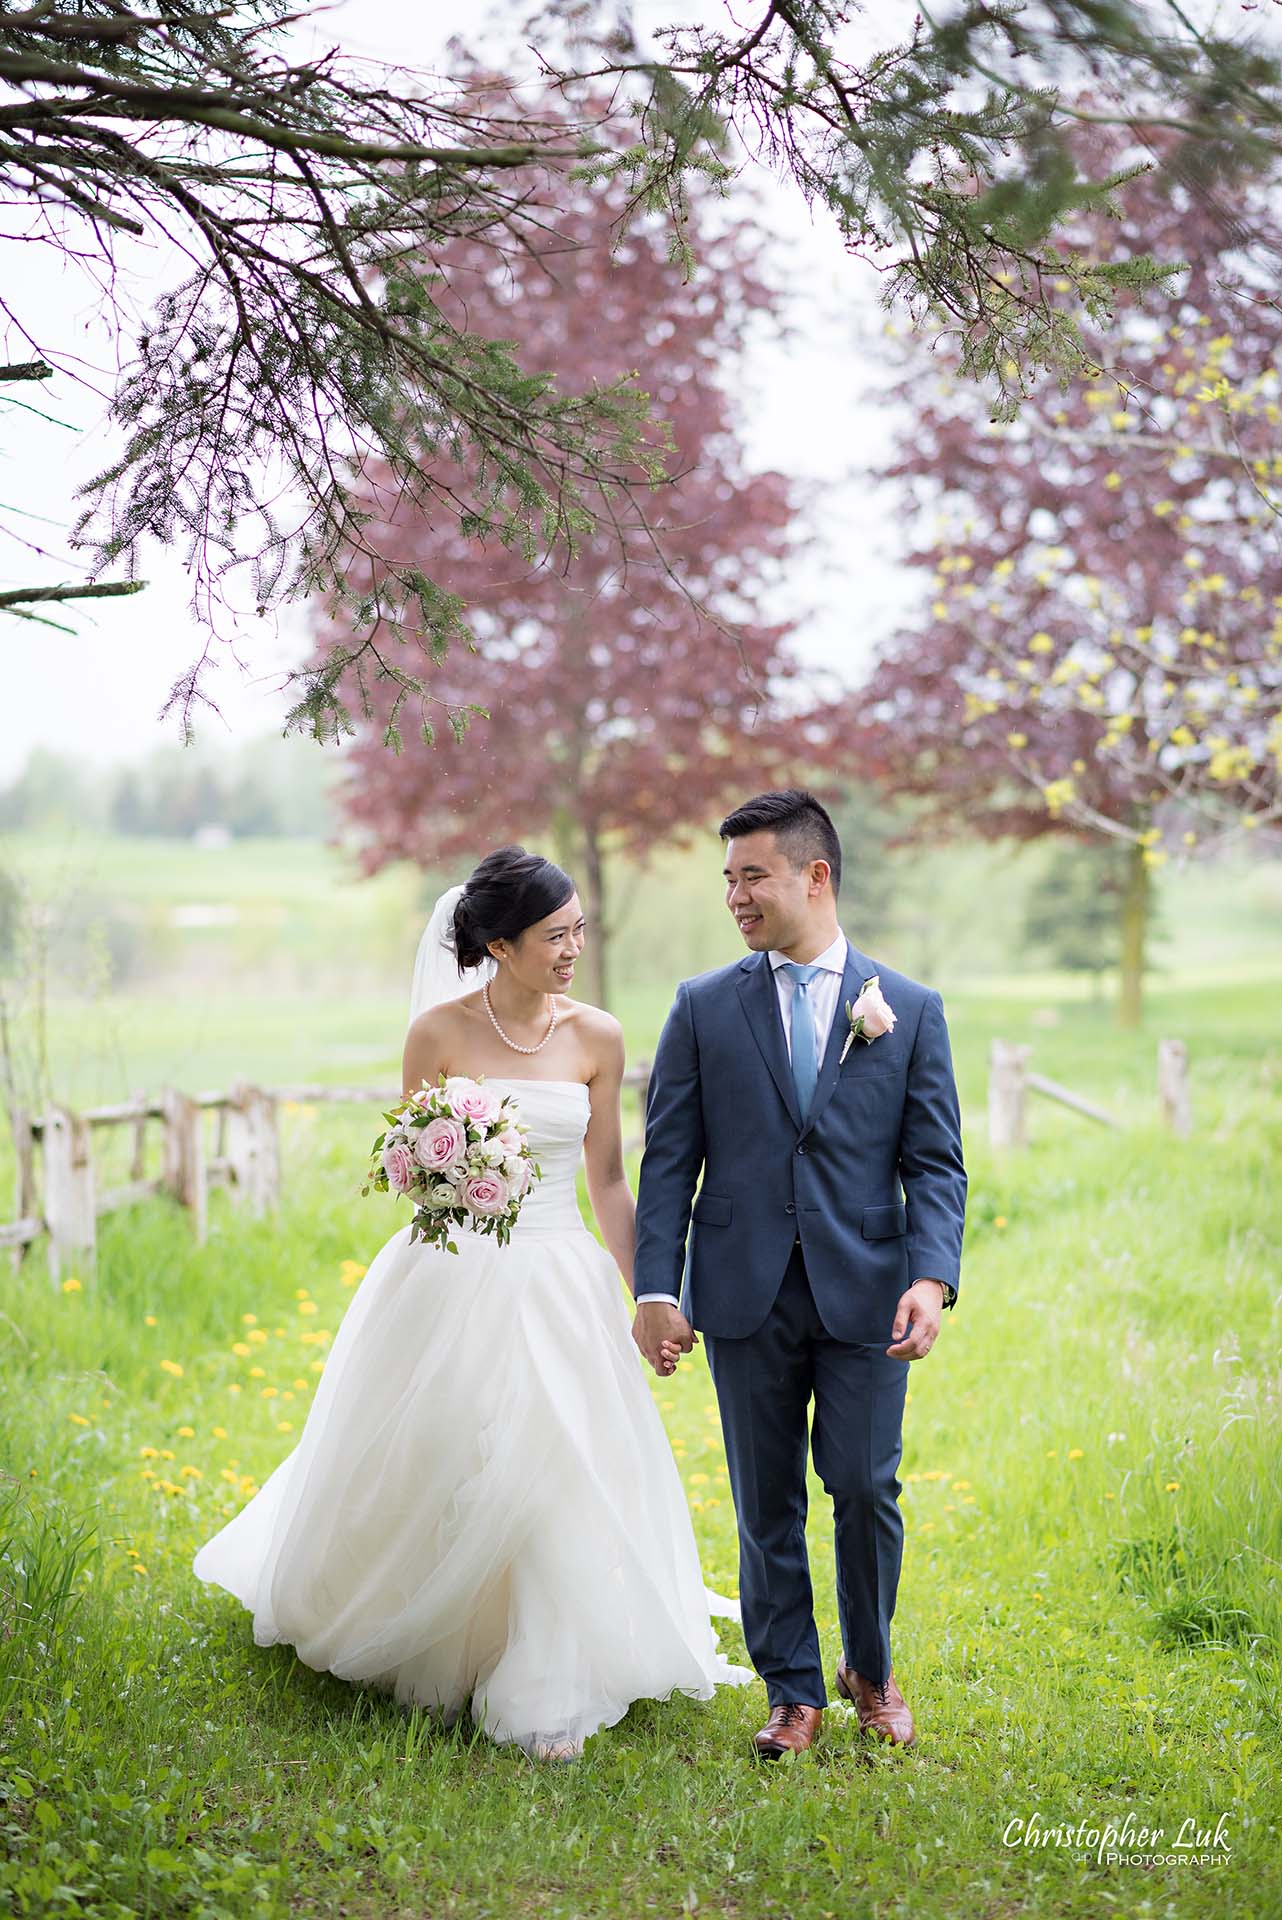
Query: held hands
[[663, 1334], [917, 1318]]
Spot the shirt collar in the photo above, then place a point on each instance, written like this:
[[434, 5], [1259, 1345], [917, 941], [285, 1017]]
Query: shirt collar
[[832, 959]]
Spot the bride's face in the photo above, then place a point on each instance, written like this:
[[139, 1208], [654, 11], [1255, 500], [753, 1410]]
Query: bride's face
[[544, 958]]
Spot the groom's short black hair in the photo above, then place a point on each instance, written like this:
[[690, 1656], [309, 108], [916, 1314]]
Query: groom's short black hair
[[799, 823]]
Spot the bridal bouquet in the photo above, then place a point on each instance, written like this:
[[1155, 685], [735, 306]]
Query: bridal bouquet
[[458, 1149]]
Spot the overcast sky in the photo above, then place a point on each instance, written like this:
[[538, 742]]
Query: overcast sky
[[814, 413]]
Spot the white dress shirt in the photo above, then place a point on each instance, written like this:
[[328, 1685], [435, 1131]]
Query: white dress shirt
[[824, 990]]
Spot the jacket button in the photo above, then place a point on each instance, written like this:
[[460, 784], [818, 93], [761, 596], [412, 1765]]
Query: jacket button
[[790, 1208], [801, 1149]]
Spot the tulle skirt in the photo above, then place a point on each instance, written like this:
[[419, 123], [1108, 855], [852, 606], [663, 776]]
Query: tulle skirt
[[483, 1509]]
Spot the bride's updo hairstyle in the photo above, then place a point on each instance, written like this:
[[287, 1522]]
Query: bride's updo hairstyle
[[510, 891]]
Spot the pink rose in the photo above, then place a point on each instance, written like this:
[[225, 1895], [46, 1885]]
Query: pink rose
[[511, 1142], [486, 1194], [877, 1016], [471, 1101], [441, 1145], [398, 1165]]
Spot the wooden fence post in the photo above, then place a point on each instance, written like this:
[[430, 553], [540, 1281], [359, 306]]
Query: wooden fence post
[[1007, 1095], [26, 1199], [137, 1161], [1173, 1086], [184, 1156], [70, 1211], [253, 1146]]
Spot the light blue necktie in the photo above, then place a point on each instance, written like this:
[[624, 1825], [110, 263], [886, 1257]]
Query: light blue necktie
[[805, 1060]]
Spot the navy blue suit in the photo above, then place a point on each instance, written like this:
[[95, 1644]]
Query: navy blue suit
[[791, 1263]]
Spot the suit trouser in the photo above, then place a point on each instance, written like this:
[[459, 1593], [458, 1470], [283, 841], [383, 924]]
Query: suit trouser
[[765, 1384]]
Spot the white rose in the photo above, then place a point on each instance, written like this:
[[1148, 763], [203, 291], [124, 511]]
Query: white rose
[[442, 1196], [494, 1153]]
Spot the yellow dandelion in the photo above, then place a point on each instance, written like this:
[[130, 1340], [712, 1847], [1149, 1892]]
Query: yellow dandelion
[[1110, 1496], [219, 1433], [138, 1567], [999, 1220], [1172, 1486], [698, 1480], [351, 1271], [300, 1293], [234, 1387], [132, 1552], [191, 1473], [172, 1366], [241, 1347], [307, 1306], [167, 1453], [1075, 1453], [249, 1319], [284, 1426], [961, 1485], [301, 1382], [1051, 1452], [269, 1393], [225, 1473], [186, 1433], [257, 1336], [318, 1366], [148, 1453], [968, 1500], [72, 1285], [149, 1320], [257, 1373], [79, 1419]]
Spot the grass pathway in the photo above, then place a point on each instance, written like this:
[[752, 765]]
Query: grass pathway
[[1089, 1622]]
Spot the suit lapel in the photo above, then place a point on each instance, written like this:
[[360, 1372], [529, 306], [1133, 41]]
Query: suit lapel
[[760, 1002], [858, 969]]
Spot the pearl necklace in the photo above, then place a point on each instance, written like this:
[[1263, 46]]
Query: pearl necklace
[[515, 1044]]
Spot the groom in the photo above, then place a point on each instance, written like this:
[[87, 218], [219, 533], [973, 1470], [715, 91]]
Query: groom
[[808, 1275]]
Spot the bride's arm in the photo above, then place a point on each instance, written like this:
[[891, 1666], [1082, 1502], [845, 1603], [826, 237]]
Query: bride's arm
[[424, 1056], [608, 1189]]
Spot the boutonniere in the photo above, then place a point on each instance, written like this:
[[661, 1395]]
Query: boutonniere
[[870, 1015]]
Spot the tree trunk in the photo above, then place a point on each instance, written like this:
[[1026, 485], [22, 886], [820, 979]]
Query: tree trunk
[[594, 908], [1135, 912]]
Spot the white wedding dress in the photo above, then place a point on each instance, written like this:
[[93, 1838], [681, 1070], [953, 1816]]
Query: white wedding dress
[[483, 1506]]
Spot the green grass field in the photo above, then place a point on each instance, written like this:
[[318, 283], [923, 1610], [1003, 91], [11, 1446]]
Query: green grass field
[[1090, 1616]]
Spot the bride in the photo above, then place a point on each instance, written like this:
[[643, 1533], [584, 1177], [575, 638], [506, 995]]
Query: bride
[[483, 1506]]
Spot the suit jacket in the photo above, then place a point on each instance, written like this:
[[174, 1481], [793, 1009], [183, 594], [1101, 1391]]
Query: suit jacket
[[872, 1184]]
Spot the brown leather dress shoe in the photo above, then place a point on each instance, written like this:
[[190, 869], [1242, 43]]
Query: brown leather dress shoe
[[881, 1709], [791, 1728]]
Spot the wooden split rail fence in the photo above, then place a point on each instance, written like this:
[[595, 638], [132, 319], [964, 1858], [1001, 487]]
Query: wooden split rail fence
[[67, 1202], [1010, 1082]]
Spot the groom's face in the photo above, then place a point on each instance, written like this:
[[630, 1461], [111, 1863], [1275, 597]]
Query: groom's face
[[767, 895]]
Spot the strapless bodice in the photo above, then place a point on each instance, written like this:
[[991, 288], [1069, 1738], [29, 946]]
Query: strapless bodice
[[556, 1113]]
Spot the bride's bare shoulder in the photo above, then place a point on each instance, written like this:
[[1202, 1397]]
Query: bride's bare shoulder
[[442, 1019], [432, 1039], [600, 1033]]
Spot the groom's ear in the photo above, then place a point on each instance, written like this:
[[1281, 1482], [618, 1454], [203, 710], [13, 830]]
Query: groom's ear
[[820, 875]]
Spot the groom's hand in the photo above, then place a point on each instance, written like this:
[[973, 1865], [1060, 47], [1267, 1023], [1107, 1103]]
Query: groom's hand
[[917, 1318], [663, 1334]]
